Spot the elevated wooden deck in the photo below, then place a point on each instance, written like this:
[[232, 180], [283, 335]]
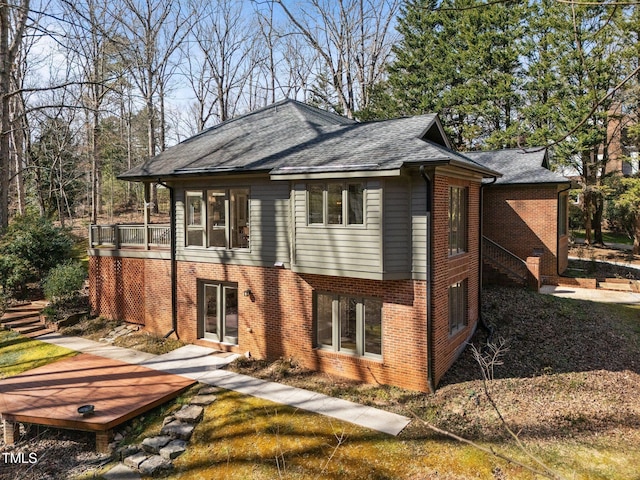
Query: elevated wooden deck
[[50, 395]]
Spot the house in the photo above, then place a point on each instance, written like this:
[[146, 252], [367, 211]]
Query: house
[[352, 247], [524, 212]]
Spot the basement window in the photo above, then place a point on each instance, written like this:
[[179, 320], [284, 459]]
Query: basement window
[[458, 307], [349, 324]]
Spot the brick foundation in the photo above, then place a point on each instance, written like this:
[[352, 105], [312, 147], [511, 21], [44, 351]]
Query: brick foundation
[[11, 432], [102, 441], [277, 318]]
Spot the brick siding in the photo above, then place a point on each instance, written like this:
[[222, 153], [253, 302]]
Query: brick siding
[[524, 218], [277, 319]]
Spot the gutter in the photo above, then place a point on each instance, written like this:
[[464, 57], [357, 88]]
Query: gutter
[[557, 223], [486, 327], [429, 273], [174, 280]]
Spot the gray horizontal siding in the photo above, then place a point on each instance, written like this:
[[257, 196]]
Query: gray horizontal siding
[[418, 229], [269, 215], [397, 226], [339, 250]]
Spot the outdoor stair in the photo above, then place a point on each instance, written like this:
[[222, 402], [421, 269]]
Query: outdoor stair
[[501, 265], [25, 319], [620, 285]]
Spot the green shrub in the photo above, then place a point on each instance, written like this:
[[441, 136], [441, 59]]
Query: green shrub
[[64, 281], [15, 273], [30, 247]]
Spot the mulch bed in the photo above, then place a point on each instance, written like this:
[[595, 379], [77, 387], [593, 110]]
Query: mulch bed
[[50, 454]]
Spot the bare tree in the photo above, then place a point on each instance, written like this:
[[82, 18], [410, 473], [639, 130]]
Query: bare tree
[[13, 24], [89, 44], [152, 32], [220, 59], [353, 40]]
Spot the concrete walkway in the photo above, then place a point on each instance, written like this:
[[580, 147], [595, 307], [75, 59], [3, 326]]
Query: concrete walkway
[[617, 264], [592, 294], [204, 365]]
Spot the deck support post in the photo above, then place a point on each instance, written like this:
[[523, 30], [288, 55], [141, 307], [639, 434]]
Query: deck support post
[[147, 208], [103, 438], [11, 432]]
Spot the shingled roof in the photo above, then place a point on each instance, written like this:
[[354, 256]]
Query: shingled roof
[[519, 166], [290, 137]]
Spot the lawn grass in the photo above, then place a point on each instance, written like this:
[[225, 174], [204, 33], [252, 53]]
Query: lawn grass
[[607, 236], [244, 437], [19, 354]]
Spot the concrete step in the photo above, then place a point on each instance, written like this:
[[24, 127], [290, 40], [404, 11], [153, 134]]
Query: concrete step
[[618, 287]]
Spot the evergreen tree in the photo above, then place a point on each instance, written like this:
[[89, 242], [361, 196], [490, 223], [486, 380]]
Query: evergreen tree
[[461, 62]]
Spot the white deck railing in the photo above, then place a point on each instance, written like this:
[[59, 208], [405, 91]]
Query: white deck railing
[[130, 236]]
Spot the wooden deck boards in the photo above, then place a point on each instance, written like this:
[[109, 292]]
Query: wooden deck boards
[[51, 394]]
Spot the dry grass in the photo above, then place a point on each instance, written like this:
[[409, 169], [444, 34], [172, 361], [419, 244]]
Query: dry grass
[[97, 328], [570, 384]]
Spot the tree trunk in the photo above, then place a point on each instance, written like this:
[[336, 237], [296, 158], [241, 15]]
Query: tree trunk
[[597, 220], [636, 236], [5, 127]]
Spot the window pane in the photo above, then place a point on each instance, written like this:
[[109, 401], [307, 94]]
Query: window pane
[[194, 208], [457, 306], [231, 314], [217, 218], [334, 204], [211, 310], [315, 204], [239, 210], [457, 220], [348, 313], [194, 238], [355, 203], [373, 326], [325, 319]]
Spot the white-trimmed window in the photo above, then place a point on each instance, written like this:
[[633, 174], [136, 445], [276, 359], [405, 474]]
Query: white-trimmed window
[[349, 324], [458, 219], [335, 203], [458, 307], [217, 217]]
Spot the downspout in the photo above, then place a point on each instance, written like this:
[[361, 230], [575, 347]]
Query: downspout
[[174, 280], [429, 275], [558, 223], [486, 327]]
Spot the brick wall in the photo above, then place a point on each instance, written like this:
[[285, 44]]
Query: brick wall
[[449, 270], [522, 218], [276, 320]]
